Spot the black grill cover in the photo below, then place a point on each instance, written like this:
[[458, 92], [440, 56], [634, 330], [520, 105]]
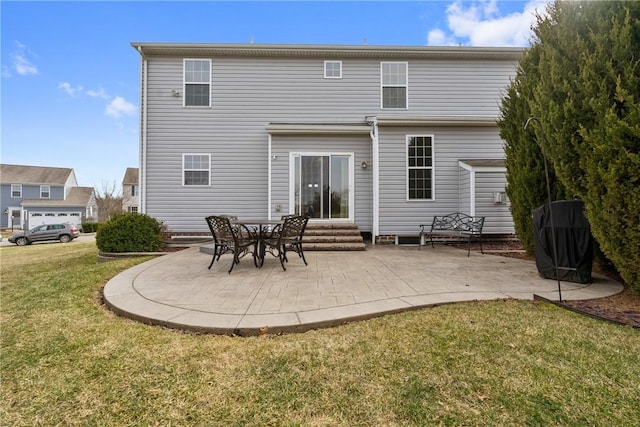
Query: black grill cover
[[573, 237]]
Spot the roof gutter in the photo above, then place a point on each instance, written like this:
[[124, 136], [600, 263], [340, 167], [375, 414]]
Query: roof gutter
[[328, 51]]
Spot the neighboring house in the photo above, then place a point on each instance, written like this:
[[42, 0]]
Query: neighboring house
[[386, 137], [35, 195], [130, 191]]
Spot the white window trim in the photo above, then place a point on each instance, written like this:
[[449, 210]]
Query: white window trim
[[48, 191], [432, 167], [185, 82], [325, 69], [208, 170], [19, 189], [406, 86]]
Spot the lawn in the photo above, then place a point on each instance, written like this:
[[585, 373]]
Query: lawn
[[66, 360]]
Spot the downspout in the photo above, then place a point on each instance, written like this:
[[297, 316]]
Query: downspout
[[373, 121], [269, 159], [143, 134]]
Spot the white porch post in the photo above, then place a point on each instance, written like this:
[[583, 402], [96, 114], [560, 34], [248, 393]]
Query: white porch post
[[373, 121]]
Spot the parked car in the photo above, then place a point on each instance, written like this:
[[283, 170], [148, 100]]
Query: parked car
[[63, 232]]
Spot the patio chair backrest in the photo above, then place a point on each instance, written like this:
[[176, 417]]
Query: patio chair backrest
[[221, 229], [293, 227]]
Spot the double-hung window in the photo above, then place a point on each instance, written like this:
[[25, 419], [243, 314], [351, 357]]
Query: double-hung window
[[197, 82], [16, 190], [45, 191], [393, 76], [332, 69], [420, 178], [196, 169]]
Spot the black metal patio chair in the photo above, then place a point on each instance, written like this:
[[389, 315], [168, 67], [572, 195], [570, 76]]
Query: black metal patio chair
[[235, 238], [288, 237]]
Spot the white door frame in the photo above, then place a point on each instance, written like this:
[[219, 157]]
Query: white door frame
[[292, 181]]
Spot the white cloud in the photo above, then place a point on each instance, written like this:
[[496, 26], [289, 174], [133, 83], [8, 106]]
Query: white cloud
[[116, 107], [69, 89], [438, 37], [100, 93], [119, 107], [20, 64], [481, 24]]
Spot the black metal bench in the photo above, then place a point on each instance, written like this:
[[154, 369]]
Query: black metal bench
[[454, 225]]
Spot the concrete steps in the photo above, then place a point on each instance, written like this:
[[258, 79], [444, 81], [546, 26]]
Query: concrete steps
[[332, 237]]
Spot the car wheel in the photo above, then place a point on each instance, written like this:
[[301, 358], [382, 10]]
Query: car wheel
[[65, 238], [21, 241]]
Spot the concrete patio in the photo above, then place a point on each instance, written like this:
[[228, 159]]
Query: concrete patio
[[178, 291]]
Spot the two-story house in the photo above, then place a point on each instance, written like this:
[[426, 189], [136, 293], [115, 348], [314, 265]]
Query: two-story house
[[130, 190], [382, 136], [35, 195]]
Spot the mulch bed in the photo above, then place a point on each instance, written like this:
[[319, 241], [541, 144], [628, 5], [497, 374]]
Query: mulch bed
[[623, 308]]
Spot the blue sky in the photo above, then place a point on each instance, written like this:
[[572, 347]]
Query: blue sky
[[70, 79]]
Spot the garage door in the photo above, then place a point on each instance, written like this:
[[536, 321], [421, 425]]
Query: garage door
[[39, 218]]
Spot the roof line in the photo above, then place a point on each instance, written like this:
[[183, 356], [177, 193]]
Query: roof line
[[242, 49]]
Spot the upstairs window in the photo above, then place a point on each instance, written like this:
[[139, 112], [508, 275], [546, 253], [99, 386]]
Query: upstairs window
[[197, 82], [45, 191], [420, 182], [393, 76], [16, 190], [196, 169], [134, 190], [332, 69]]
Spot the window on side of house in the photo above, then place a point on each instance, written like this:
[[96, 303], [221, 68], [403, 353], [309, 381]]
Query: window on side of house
[[420, 176], [133, 209], [332, 69], [393, 78], [196, 169], [197, 82], [45, 191], [134, 190], [16, 190]]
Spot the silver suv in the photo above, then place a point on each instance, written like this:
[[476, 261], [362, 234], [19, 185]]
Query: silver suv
[[63, 232]]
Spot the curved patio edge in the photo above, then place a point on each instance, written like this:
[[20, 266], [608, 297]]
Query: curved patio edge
[[177, 290]]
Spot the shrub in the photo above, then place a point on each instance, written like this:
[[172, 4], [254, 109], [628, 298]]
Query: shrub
[[581, 79], [130, 232]]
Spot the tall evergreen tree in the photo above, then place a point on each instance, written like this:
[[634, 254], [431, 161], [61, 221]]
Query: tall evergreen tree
[[582, 81], [526, 181]]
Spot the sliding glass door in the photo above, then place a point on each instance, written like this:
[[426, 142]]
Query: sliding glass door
[[322, 186]]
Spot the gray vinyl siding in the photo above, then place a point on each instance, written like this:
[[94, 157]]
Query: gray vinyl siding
[[250, 92], [399, 216], [498, 216], [360, 146]]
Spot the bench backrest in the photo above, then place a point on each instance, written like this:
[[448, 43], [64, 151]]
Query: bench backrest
[[458, 222]]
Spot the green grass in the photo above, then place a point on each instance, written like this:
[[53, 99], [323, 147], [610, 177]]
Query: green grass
[[68, 361]]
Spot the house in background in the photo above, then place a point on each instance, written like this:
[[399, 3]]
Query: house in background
[[130, 190], [35, 195], [385, 137]]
